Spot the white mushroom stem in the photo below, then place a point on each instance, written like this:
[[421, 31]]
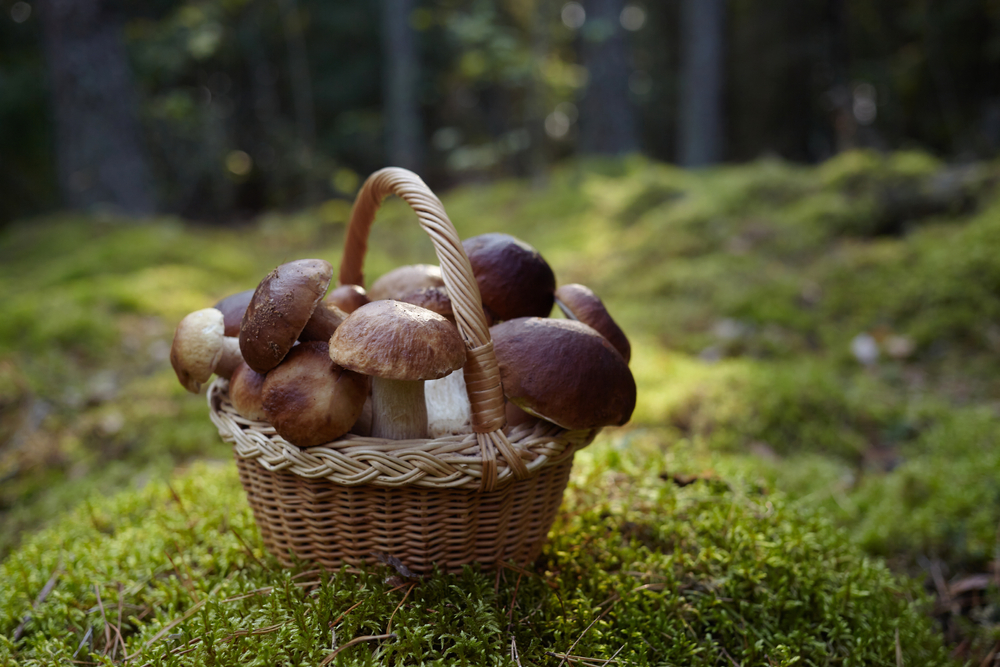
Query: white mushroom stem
[[398, 409], [448, 409]]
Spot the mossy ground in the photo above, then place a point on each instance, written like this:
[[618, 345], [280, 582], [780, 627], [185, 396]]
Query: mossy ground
[[742, 288]]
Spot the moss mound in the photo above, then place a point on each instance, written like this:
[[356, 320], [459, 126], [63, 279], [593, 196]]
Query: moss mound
[[638, 569]]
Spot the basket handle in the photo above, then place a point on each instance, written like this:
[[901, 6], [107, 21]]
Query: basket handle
[[482, 374]]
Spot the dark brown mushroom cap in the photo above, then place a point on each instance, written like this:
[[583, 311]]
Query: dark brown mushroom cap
[[514, 280], [245, 387], [397, 341], [348, 297], [232, 308], [281, 306], [564, 372], [309, 399], [578, 302], [323, 322], [404, 280]]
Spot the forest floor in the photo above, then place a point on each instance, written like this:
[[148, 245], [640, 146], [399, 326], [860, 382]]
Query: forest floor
[[821, 340]]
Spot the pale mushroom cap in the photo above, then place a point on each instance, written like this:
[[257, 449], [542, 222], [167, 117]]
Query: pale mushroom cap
[[404, 280], [564, 372], [578, 302], [196, 347], [309, 399], [513, 278], [397, 341], [281, 306]]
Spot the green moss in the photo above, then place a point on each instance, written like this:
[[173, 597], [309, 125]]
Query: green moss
[[659, 574]]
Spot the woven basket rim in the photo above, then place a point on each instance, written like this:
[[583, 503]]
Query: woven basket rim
[[447, 462]]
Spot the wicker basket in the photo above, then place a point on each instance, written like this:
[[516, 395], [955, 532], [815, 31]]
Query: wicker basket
[[485, 497]]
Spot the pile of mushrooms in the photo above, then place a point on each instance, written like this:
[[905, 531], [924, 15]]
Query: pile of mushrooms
[[388, 362]]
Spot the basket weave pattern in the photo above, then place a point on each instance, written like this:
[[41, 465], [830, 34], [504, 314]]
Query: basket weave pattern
[[487, 496]]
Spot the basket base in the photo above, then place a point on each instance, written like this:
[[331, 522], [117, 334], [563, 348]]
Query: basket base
[[315, 520]]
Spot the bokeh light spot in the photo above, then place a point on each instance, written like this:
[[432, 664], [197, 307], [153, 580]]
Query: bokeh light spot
[[633, 17], [20, 12], [239, 163], [573, 15]]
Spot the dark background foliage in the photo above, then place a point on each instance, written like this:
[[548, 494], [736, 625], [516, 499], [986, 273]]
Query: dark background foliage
[[249, 104]]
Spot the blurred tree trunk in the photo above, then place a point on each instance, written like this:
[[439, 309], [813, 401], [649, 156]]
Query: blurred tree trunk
[[302, 95], [401, 104], [700, 141], [99, 150], [607, 118]]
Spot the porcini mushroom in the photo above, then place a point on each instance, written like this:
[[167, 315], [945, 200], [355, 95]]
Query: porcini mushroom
[[199, 349], [578, 302], [245, 387], [513, 278], [400, 345], [309, 399], [404, 280], [564, 372], [348, 297], [281, 306], [233, 307]]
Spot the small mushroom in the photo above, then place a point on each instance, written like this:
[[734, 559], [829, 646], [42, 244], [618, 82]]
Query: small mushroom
[[400, 345], [578, 302], [309, 399], [348, 297], [245, 392], [513, 278], [404, 280], [564, 372], [199, 348], [281, 307]]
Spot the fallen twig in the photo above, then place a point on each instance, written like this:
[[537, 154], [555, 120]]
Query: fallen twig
[[44, 593], [357, 640]]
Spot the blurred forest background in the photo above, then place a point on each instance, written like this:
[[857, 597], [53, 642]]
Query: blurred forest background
[[221, 109]]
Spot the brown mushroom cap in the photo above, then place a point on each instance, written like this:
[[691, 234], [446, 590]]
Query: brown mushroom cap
[[578, 302], [197, 347], [564, 372], [245, 392], [309, 399], [232, 308], [435, 299], [323, 322], [281, 306], [404, 280], [400, 345], [514, 280], [348, 297], [397, 341]]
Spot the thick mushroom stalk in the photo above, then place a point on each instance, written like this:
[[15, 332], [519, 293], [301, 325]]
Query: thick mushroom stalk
[[400, 345]]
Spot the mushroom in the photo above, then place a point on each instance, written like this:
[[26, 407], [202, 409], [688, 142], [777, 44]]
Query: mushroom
[[514, 280], [400, 345], [245, 392], [309, 399], [448, 409], [564, 372], [199, 349], [404, 280], [323, 322], [578, 302], [232, 308], [281, 306], [348, 297]]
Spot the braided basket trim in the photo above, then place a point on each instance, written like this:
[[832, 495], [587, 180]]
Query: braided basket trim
[[447, 462]]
